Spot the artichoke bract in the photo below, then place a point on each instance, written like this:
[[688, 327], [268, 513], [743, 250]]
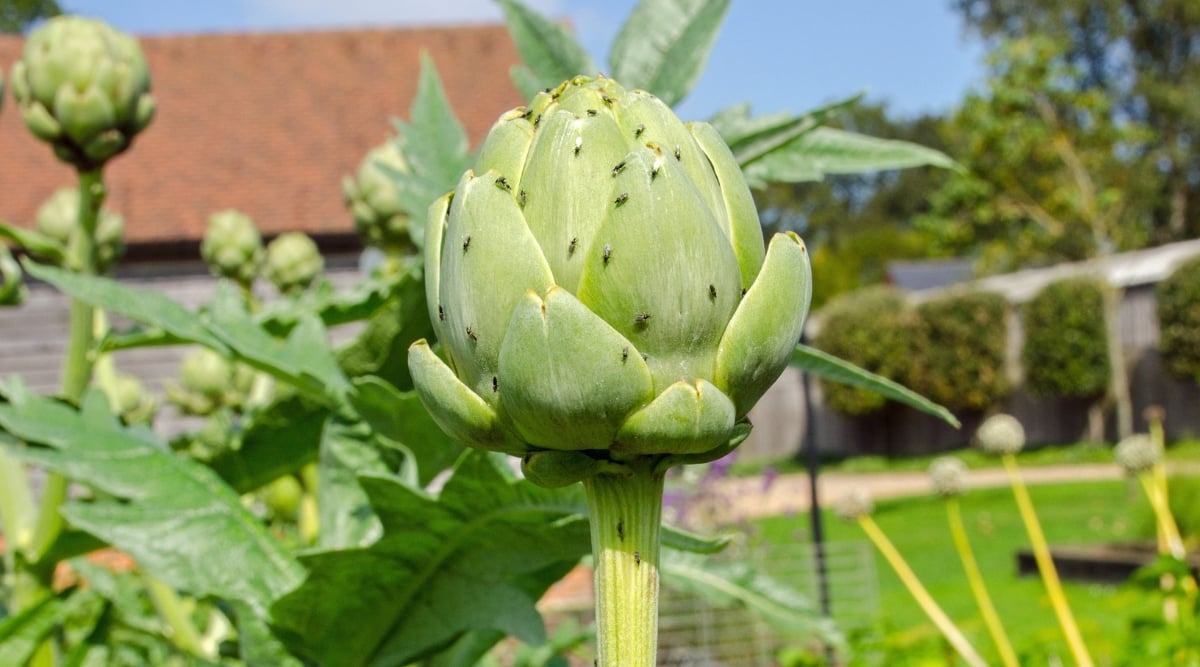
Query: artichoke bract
[[58, 219], [374, 201], [84, 88], [601, 291]]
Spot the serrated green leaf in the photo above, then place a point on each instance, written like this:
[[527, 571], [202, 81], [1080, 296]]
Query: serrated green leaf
[[480, 556], [256, 644], [143, 305], [382, 347], [173, 515], [550, 53], [34, 241], [737, 582], [348, 450], [401, 419], [664, 44], [829, 367], [333, 306], [823, 151], [750, 138], [302, 359], [434, 146], [277, 439], [21, 633]]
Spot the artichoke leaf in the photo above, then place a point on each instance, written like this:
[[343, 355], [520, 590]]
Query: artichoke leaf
[[506, 145], [767, 324], [459, 411], [564, 370], [687, 418]]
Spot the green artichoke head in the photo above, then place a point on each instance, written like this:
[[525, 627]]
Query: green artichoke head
[[232, 246], [58, 218], [293, 262], [84, 88], [374, 201], [600, 287]]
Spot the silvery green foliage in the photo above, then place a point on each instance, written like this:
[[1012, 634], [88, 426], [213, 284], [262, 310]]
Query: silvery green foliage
[[601, 290], [232, 246], [948, 475], [58, 219], [1137, 453], [1001, 434], [293, 262], [855, 504], [84, 88], [373, 198]]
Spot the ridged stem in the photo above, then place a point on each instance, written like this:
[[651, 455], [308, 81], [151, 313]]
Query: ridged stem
[[975, 578], [922, 596], [625, 513], [1041, 553]]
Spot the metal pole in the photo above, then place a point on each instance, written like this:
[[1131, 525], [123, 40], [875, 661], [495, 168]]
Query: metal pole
[[813, 464]]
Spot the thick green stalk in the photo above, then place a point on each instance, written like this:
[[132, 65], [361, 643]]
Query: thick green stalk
[[919, 593], [625, 512], [975, 579], [77, 367], [1041, 553]]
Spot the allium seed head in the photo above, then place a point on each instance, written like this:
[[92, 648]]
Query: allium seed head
[[948, 475], [1137, 453], [1001, 434]]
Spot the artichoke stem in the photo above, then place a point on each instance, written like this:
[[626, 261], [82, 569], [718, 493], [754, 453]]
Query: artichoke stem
[[626, 522]]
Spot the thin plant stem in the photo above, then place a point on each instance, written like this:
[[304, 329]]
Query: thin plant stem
[[172, 611], [975, 578], [1167, 526], [1041, 553], [947, 627], [625, 513]]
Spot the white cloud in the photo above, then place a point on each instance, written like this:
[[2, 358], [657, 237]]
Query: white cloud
[[330, 13]]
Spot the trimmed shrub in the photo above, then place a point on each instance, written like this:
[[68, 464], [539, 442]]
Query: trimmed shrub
[[1066, 344], [960, 348], [871, 328], [1179, 320]]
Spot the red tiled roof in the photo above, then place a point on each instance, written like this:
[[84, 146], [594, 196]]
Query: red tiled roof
[[267, 123]]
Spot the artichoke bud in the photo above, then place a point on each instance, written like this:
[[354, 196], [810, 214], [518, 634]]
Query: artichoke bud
[[206, 382], [83, 87], [600, 288], [293, 262], [58, 219], [131, 400], [12, 282], [374, 200], [232, 246]]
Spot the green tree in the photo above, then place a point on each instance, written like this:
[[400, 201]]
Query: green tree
[[16, 15], [1046, 179], [1142, 54]]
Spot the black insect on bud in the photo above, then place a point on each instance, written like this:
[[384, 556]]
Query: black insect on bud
[[471, 335], [642, 319], [607, 253], [621, 198], [637, 132], [617, 169], [466, 242], [712, 291], [441, 312], [495, 383], [502, 183], [678, 155], [571, 246]]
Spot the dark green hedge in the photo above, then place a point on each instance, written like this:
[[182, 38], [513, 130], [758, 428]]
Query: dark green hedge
[[1179, 321], [873, 329], [1066, 347], [960, 347]]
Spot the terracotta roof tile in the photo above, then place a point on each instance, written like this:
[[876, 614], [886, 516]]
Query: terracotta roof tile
[[267, 123]]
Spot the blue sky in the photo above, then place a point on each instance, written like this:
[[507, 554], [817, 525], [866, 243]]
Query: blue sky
[[779, 55]]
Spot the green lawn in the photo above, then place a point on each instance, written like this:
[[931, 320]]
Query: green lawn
[[1070, 513]]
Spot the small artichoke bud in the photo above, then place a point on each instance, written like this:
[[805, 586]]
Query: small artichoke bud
[[948, 475], [215, 437], [232, 246], [84, 88], [205, 383], [58, 218], [131, 400], [854, 505], [1137, 453], [293, 262], [12, 281], [599, 285], [283, 496], [1001, 434], [374, 201]]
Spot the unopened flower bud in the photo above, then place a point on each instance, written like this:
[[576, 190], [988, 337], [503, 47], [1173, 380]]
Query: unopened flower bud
[[1001, 434], [293, 262]]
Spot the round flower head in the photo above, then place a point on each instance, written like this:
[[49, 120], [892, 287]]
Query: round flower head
[[374, 200], [232, 246], [948, 475], [1137, 453], [293, 261], [1001, 434], [601, 291], [854, 505]]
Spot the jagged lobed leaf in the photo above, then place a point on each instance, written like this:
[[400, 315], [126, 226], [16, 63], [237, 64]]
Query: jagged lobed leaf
[[476, 557], [550, 54], [664, 44], [829, 367], [173, 515]]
